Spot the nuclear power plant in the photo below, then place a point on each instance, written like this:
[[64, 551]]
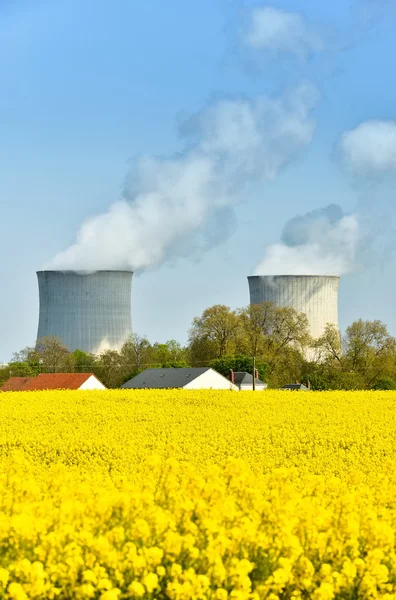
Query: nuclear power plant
[[89, 312], [314, 295]]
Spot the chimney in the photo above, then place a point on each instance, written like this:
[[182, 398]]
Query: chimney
[[255, 373], [308, 384], [231, 376]]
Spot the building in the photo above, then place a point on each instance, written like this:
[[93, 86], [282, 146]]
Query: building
[[15, 384], [53, 381], [296, 387], [87, 311], [244, 381], [314, 295], [188, 379]]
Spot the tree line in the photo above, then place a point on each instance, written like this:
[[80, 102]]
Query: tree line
[[277, 339]]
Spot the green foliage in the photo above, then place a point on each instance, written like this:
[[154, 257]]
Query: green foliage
[[239, 363], [83, 362], [384, 383], [219, 325], [224, 339]]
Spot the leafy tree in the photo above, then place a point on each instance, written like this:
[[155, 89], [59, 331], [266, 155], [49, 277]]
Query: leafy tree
[[329, 346], [4, 374], [50, 355], [83, 362], [170, 354], [239, 363], [289, 328], [201, 351], [285, 367], [136, 355], [219, 325], [369, 349], [23, 369], [384, 383], [109, 369], [256, 322]]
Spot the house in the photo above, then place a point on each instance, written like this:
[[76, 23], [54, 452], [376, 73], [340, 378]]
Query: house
[[244, 381], [53, 381], [297, 387], [202, 378], [15, 384]]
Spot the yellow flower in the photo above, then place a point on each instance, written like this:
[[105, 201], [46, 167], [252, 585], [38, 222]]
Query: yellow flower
[[324, 592], [16, 591], [4, 576], [161, 571], [110, 594], [151, 582], [136, 589]]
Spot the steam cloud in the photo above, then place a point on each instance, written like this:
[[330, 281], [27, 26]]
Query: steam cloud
[[279, 31], [370, 148], [324, 241], [327, 241], [169, 205]]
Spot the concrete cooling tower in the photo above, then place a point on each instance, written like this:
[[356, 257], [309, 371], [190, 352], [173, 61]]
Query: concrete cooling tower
[[314, 295], [89, 312]]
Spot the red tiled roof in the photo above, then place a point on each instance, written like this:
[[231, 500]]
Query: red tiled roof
[[16, 384], [57, 381]]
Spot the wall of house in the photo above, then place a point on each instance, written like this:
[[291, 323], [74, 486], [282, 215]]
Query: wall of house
[[210, 380], [92, 384], [249, 388]]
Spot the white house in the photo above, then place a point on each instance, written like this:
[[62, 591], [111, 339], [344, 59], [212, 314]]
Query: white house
[[54, 381], [244, 381], [188, 379]]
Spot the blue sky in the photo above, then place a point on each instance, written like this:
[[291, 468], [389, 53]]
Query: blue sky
[[87, 87]]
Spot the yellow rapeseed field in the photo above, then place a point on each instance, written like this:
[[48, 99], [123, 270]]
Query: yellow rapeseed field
[[198, 495]]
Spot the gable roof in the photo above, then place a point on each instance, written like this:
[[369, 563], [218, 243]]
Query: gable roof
[[296, 387], [245, 378], [16, 384], [164, 378], [58, 381]]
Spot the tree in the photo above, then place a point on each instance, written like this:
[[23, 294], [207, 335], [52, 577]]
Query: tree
[[239, 363], [83, 362], [270, 331], [170, 354], [384, 383], [289, 327], [23, 369], [201, 351], [328, 346], [50, 355], [256, 322], [219, 325], [369, 350], [109, 369], [136, 354]]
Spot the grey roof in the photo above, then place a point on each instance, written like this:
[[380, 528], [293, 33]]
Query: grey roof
[[164, 378], [295, 386], [244, 378]]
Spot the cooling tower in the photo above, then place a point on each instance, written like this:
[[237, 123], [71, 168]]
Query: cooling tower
[[314, 295], [91, 312]]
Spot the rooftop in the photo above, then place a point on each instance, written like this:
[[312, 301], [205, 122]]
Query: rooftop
[[164, 378], [16, 384], [244, 378], [295, 387], [46, 381]]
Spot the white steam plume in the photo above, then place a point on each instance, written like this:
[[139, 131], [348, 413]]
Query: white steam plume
[[278, 31], [322, 242], [170, 205], [328, 242], [370, 149]]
